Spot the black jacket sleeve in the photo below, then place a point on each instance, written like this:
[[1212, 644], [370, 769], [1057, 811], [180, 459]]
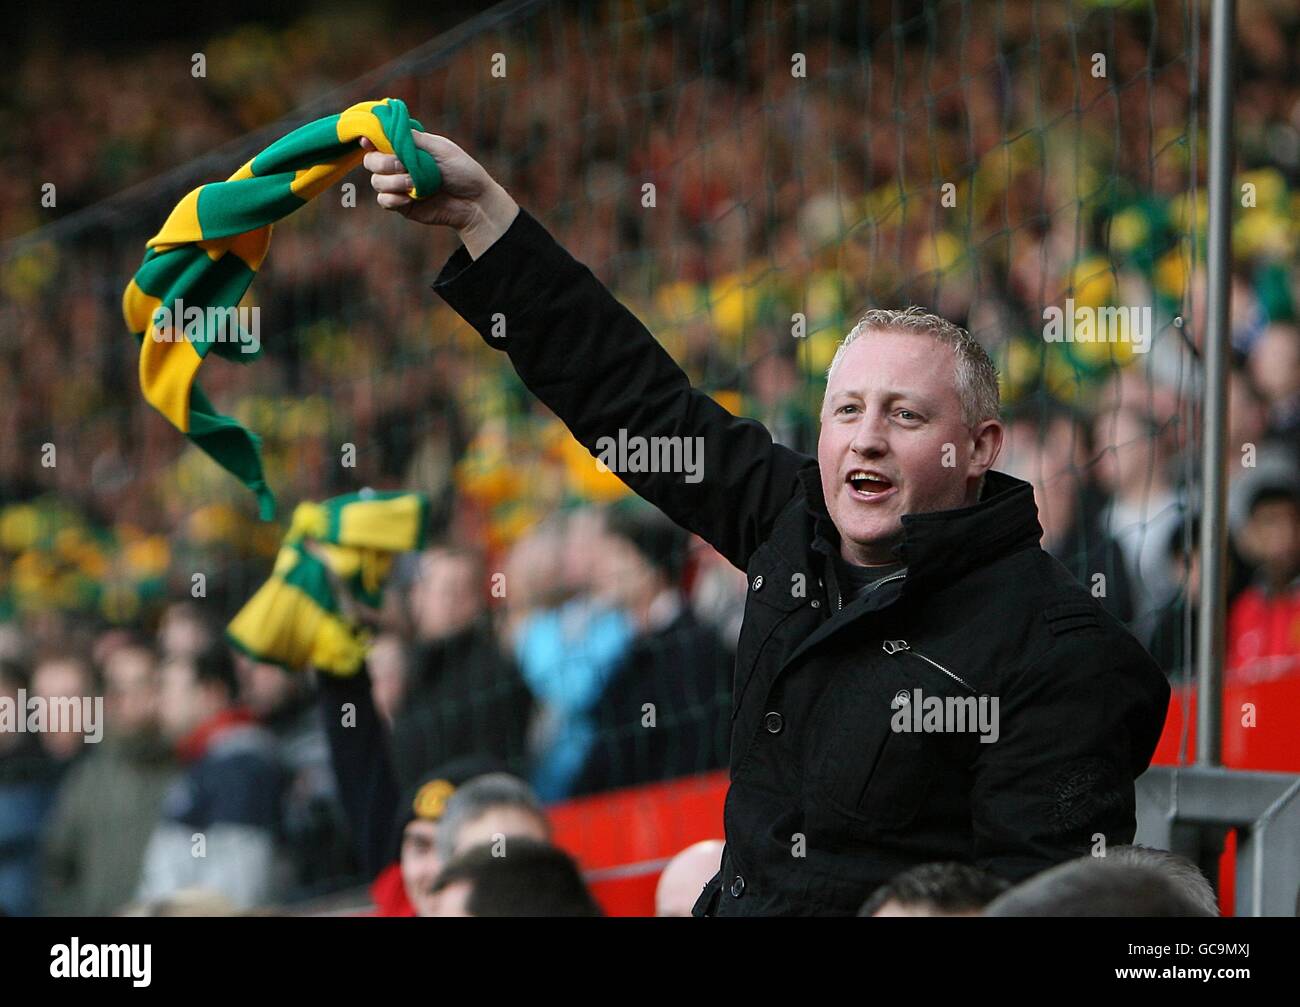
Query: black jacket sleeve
[[362, 765], [590, 360], [1078, 726]]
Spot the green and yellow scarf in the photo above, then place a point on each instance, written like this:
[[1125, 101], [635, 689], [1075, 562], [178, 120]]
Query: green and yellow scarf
[[181, 302], [347, 544]]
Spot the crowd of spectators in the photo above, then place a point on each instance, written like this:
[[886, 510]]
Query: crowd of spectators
[[745, 213]]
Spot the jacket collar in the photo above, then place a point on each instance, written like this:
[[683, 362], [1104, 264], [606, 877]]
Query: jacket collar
[[947, 543]]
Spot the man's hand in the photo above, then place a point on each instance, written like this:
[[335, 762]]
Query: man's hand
[[470, 200]]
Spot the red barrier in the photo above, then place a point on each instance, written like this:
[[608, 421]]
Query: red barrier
[[1261, 727], [622, 839], [1261, 730]]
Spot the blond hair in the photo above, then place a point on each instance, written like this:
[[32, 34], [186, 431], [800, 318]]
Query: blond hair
[[976, 377]]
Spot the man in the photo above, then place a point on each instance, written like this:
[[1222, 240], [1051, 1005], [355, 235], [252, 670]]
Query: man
[[935, 890], [221, 819], [108, 806], [1094, 886], [682, 878], [35, 764], [490, 808], [1195, 885], [397, 835], [663, 712], [570, 640], [1145, 506], [29, 779], [1264, 620], [532, 879], [314, 840], [1048, 446], [463, 695], [895, 567]]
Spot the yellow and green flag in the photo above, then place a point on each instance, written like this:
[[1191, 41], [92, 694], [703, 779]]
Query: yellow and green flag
[[182, 302], [346, 543]]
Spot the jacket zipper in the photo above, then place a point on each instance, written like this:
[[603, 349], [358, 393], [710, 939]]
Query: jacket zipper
[[894, 646], [884, 580]]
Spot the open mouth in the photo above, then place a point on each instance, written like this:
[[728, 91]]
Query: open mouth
[[868, 485]]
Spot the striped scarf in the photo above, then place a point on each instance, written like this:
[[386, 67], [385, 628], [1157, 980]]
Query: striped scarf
[[345, 545], [181, 302]]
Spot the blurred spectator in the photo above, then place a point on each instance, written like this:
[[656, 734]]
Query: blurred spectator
[[718, 593], [1092, 886], [935, 890], [490, 808], [463, 696], [313, 838], [685, 876], [1275, 366], [109, 804], [1048, 445], [568, 650], [389, 665], [394, 833], [433, 821], [28, 778], [533, 878], [185, 631], [664, 711], [65, 676], [1173, 643], [222, 817], [1263, 636], [1179, 869], [1133, 466]]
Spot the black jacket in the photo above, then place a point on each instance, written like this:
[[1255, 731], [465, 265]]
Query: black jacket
[[827, 801], [463, 697]]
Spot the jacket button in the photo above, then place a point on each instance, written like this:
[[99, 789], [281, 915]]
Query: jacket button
[[758, 583], [737, 886], [815, 603], [773, 722]]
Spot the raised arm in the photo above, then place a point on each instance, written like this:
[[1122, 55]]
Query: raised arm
[[359, 753], [593, 363]]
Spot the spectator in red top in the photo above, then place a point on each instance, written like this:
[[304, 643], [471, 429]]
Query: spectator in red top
[[1264, 622]]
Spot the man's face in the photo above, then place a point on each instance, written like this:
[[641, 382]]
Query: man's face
[[61, 679], [892, 414], [447, 597], [1129, 455], [131, 691], [420, 865], [620, 574], [1271, 538], [266, 688], [183, 703]]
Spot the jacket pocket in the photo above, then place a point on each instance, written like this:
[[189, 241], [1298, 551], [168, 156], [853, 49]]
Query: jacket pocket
[[864, 776]]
